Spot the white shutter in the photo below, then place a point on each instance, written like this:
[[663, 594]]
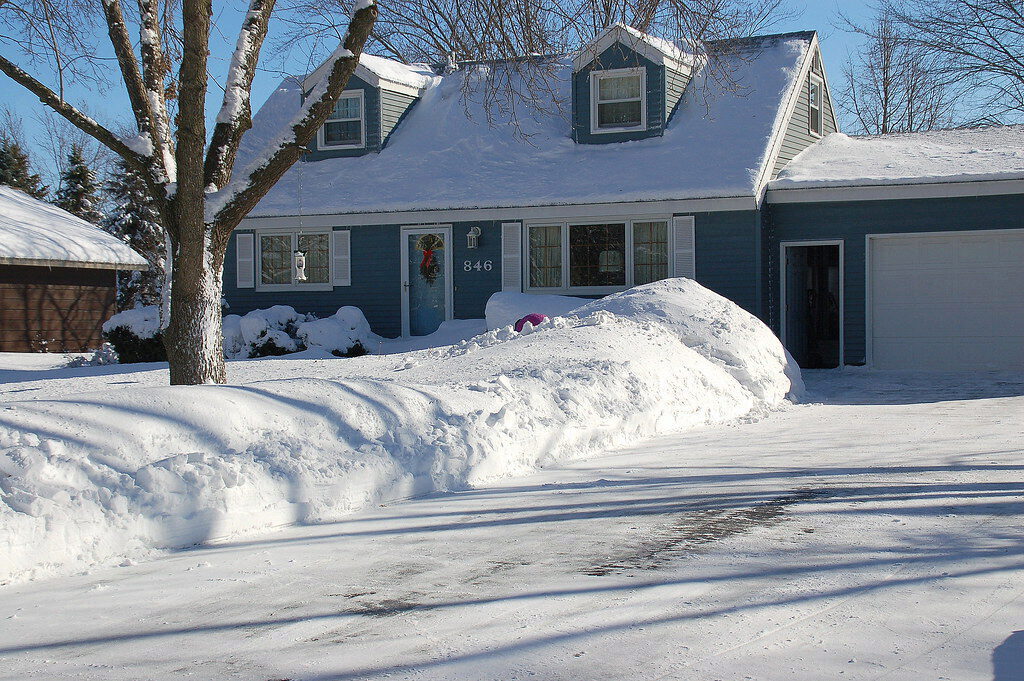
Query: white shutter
[[684, 248], [341, 254], [511, 256], [245, 260]]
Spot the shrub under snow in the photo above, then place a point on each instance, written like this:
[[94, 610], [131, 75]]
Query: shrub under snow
[[128, 471]]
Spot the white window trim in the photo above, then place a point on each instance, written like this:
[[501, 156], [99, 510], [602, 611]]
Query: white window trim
[[294, 286], [565, 289], [596, 76], [812, 79], [322, 145]]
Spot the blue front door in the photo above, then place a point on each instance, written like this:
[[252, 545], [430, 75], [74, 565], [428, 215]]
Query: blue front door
[[427, 283]]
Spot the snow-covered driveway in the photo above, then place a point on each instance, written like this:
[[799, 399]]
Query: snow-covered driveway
[[874, 536]]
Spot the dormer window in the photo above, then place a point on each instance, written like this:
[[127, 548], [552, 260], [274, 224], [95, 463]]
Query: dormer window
[[618, 101], [814, 105], [344, 127]]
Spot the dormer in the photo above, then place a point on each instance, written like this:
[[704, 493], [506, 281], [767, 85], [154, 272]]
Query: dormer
[[626, 84], [379, 94]]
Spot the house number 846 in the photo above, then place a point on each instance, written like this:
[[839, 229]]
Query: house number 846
[[485, 265]]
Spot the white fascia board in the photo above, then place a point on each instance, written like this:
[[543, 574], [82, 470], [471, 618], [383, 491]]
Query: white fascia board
[[883, 192], [46, 262], [634, 40], [562, 212], [782, 122]]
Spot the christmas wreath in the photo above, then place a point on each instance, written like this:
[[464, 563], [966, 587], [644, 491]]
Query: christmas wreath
[[430, 265]]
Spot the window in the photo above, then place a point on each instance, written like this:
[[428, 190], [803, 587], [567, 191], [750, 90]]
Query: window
[[344, 127], [814, 105], [617, 100], [276, 258], [601, 257]]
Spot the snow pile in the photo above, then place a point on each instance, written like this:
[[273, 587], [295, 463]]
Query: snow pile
[[717, 328], [505, 308], [142, 322], [102, 478], [259, 333], [912, 158], [36, 232]]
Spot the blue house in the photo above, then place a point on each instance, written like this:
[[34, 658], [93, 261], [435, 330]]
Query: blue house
[[417, 202]]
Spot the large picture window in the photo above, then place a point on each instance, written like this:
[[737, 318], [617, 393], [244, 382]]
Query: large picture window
[[344, 127], [276, 258], [599, 257], [617, 100]]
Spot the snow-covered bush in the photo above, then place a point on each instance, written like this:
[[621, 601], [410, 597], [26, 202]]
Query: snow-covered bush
[[346, 333], [135, 335], [263, 333], [106, 354]]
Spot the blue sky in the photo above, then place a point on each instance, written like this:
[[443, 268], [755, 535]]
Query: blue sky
[[111, 105]]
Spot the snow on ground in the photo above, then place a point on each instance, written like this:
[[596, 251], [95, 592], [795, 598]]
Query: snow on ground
[[100, 477], [923, 157], [871, 533], [38, 232]]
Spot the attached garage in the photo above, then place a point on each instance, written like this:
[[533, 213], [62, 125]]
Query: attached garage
[[946, 301], [58, 276]]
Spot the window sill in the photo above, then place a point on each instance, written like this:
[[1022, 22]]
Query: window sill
[[271, 288], [608, 131]]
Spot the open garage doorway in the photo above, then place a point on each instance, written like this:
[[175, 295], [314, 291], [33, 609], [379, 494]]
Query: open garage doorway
[[812, 302]]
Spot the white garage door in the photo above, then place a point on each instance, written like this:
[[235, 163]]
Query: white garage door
[[947, 302]]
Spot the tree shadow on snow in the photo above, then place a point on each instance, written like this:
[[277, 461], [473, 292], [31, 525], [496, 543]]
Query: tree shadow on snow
[[1008, 658]]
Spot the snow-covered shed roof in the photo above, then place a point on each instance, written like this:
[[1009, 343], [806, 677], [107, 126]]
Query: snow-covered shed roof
[[995, 153], [33, 232], [444, 155]]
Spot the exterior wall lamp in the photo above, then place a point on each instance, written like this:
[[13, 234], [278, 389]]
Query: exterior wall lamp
[[473, 237]]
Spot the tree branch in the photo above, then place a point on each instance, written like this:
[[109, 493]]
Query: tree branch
[[129, 65], [235, 116], [318, 106], [74, 116], [154, 69]]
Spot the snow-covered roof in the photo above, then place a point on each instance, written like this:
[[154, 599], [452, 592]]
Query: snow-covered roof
[[657, 50], [375, 70], [444, 155], [34, 232], [995, 153]]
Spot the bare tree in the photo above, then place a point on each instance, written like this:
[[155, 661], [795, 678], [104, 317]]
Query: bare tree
[[977, 45], [189, 177], [892, 84]]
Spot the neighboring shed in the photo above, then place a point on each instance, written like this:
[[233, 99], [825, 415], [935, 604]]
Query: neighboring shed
[[58, 276], [901, 251]]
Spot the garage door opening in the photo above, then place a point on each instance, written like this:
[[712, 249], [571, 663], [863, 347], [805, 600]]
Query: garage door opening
[[812, 303]]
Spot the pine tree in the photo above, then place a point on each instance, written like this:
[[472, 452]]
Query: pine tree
[[134, 220], [78, 193], [15, 170]]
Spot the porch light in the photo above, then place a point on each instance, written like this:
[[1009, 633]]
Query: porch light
[[299, 266], [473, 237]]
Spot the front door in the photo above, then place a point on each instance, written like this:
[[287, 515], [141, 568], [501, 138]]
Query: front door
[[426, 279], [812, 294]]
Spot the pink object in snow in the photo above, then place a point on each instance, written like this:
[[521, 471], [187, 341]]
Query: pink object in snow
[[533, 318]]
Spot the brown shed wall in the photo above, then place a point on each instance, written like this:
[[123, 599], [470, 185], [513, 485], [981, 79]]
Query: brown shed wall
[[54, 309]]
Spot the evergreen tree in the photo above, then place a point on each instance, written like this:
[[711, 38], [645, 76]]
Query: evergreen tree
[[134, 220], [78, 193], [15, 170]]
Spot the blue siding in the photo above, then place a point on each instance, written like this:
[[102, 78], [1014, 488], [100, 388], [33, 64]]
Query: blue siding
[[728, 256], [376, 278], [852, 221], [372, 132], [618, 56]]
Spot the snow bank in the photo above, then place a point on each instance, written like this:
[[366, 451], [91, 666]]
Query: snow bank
[[100, 478], [343, 332], [506, 308]]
